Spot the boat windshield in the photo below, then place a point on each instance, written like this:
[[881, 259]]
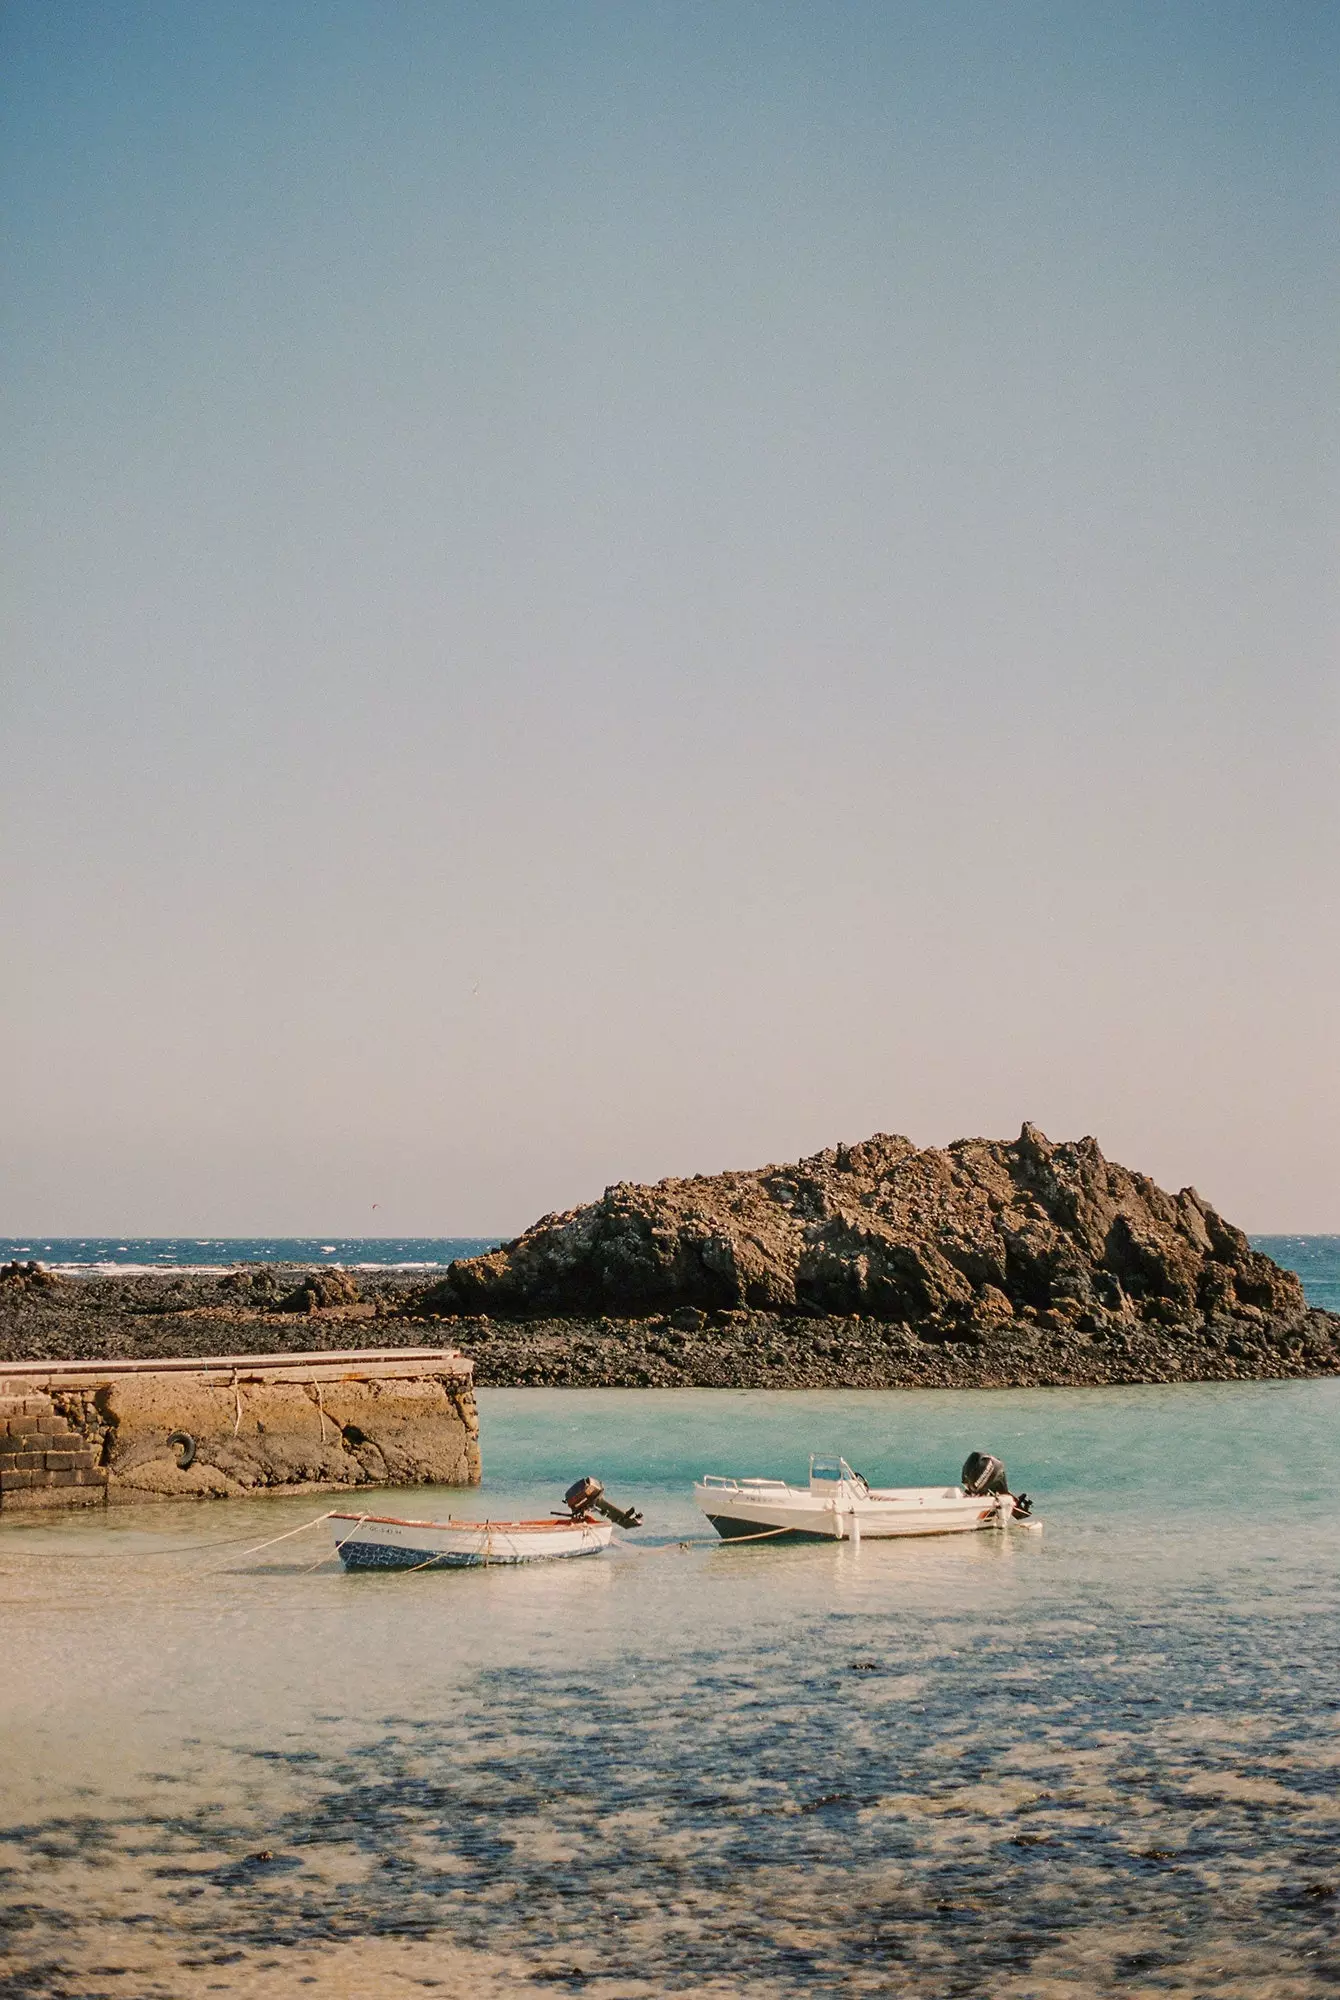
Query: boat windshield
[[830, 1472]]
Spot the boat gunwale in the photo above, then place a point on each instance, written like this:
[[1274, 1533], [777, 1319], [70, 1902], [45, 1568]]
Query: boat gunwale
[[784, 1535], [883, 1498], [404, 1521]]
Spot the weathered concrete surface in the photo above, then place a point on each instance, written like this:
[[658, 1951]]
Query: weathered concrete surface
[[90, 1433]]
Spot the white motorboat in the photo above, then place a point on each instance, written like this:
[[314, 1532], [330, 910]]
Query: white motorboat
[[840, 1505], [386, 1541]]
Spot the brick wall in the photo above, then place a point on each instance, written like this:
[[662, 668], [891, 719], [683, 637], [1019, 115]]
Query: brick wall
[[44, 1461]]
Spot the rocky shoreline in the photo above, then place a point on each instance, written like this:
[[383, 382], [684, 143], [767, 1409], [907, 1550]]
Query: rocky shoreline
[[160, 1317], [988, 1264]]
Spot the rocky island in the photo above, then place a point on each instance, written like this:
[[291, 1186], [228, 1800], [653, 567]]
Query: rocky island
[[986, 1263]]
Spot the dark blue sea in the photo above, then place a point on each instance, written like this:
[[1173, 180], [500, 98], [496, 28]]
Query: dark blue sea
[[1315, 1258], [136, 1254]]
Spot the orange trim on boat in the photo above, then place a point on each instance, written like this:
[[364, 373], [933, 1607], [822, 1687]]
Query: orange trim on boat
[[402, 1521]]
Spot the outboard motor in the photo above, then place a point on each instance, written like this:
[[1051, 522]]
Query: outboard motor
[[983, 1474], [587, 1496]]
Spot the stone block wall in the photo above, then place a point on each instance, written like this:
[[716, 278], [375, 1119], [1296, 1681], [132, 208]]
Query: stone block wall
[[95, 1433], [45, 1461]]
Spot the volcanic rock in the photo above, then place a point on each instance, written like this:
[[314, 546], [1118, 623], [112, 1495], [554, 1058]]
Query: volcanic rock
[[319, 1291], [252, 1284], [29, 1277], [957, 1243]]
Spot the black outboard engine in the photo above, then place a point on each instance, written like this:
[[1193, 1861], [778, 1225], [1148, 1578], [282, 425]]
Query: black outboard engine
[[983, 1474], [587, 1496]]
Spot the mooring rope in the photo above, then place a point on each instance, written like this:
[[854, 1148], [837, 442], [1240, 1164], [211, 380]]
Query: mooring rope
[[728, 1541], [190, 1548], [100, 1555], [488, 1557], [331, 1554], [255, 1549]]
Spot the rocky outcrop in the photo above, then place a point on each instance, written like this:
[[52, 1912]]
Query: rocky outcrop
[[985, 1265], [250, 1285], [965, 1242], [320, 1291], [29, 1277], [263, 1288]]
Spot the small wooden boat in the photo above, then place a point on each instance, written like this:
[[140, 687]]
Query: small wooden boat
[[839, 1505], [386, 1541], [382, 1541]]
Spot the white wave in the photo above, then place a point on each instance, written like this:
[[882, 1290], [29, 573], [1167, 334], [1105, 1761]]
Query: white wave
[[103, 1269], [422, 1265]]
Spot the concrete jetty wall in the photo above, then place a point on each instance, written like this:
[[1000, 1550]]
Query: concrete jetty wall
[[95, 1433]]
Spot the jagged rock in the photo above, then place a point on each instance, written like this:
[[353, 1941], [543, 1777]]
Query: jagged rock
[[320, 1290], [252, 1284], [29, 1277], [954, 1241]]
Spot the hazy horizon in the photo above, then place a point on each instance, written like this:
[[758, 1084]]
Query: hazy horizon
[[599, 593], [377, 1231]]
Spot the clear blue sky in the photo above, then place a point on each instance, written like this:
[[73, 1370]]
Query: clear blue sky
[[593, 591]]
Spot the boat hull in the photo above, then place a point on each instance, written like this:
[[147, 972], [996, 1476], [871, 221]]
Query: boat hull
[[732, 1530], [794, 1514], [385, 1542]]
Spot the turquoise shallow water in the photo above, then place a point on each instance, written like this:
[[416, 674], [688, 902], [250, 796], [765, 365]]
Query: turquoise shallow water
[[1103, 1760]]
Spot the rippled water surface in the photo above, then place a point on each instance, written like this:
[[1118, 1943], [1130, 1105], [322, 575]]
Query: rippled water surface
[[1102, 1760]]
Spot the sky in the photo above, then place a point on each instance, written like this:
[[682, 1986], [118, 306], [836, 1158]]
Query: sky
[[599, 591]]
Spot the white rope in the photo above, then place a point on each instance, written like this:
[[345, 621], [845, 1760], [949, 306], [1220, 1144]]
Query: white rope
[[332, 1553], [204, 1569], [287, 1536], [315, 1522], [100, 1555], [727, 1540]]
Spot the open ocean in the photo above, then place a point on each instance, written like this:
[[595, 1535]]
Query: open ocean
[[106, 1255]]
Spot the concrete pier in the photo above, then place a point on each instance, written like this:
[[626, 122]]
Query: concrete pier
[[96, 1433]]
